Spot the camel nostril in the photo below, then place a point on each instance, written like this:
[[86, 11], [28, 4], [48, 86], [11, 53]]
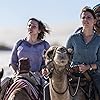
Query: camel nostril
[[62, 61]]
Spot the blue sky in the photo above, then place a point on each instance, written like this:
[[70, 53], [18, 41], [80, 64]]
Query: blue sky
[[62, 16]]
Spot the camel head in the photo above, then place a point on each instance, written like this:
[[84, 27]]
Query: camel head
[[59, 55]]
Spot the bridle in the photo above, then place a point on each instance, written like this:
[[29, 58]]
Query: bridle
[[77, 87]]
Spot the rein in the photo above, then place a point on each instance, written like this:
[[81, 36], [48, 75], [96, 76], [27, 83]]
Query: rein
[[89, 93], [84, 91], [76, 90]]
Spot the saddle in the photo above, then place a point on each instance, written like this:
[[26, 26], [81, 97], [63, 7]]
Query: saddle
[[30, 77], [84, 78], [5, 84], [84, 82]]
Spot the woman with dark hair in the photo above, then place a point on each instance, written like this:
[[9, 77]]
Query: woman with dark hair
[[85, 46], [32, 47]]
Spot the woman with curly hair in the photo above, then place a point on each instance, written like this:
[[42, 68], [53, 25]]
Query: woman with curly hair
[[32, 46]]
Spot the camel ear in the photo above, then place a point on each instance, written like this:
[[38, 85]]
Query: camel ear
[[70, 54], [50, 52]]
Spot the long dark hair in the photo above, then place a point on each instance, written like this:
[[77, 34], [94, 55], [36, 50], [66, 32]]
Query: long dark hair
[[42, 27]]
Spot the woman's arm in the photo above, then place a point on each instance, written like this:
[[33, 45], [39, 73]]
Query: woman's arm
[[14, 59]]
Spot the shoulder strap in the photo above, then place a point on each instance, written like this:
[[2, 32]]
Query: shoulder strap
[[19, 43], [44, 44], [79, 29]]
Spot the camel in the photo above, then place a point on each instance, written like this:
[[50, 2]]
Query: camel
[[57, 60], [24, 86]]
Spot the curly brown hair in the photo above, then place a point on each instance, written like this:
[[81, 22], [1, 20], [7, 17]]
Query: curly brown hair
[[42, 27]]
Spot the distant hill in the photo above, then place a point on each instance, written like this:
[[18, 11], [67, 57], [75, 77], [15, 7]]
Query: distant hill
[[4, 47]]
